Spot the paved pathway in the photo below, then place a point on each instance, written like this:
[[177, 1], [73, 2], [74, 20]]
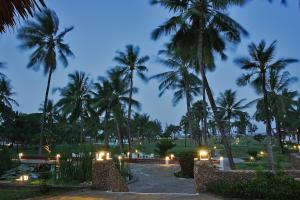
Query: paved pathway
[[155, 178], [96, 195]]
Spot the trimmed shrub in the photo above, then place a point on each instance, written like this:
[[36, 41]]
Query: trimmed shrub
[[186, 161], [264, 186], [164, 146], [5, 157]]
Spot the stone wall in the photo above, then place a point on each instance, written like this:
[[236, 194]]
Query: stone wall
[[205, 173], [106, 177]]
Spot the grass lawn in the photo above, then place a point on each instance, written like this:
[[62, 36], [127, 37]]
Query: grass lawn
[[24, 193], [12, 194]]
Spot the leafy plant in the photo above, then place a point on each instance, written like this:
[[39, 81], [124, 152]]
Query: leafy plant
[[186, 161], [265, 185], [5, 157], [164, 146]]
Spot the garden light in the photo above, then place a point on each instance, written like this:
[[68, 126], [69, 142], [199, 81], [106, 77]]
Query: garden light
[[108, 156], [262, 153], [128, 154], [136, 151], [251, 158], [215, 147], [23, 178], [204, 155], [167, 159], [100, 155], [172, 156], [119, 158], [222, 163], [20, 155], [58, 156]]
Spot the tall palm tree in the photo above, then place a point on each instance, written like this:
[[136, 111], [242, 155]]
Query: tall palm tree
[[48, 45], [6, 94], [116, 99], [131, 63], [75, 99], [257, 68], [202, 28], [200, 113], [230, 107], [179, 78], [101, 101], [11, 9], [281, 99]]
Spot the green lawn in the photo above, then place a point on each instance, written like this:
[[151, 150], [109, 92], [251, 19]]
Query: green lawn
[[14, 194]]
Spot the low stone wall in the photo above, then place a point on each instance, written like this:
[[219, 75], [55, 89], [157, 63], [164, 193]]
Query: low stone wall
[[205, 173], [106, 177], [295, 159]]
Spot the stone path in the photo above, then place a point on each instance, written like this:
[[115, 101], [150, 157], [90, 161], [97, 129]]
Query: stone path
[[96, 195], [155, 178]]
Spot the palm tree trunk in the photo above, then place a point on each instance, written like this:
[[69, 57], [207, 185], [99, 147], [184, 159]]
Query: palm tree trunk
[[129, 112], [212, 101], [106, 142], [268, 125], [119, 136], [205, 117], [44, 112], [81, 130], [279, 135], [188, 106]]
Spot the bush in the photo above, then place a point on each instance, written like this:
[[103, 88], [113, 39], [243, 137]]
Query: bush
[[253, 154], [264, 186], [77, 169], [5, 157], [186, 161], [164, 146]]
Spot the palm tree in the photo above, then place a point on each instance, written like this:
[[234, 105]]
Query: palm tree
[[179, 78], [230, 107], [202, 28], [131, 63], [101, 101], [11, 9], [75, 99], [48, 45], [199, 111], [257, 68], [6, 94], [118, 98]]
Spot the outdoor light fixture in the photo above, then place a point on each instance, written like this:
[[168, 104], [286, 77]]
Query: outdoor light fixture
[[23, 178], [251, 158], [58, 156], [100, 156], [262, 153], [215, 147], [167, 159], [128, 154], [108, 156], [222, 163], [136, 151], [119, 158], [20, 155], [204, 155], [172, 156]]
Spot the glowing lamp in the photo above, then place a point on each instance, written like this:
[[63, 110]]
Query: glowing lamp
[[23, 178], [167, 159], [215, 147], [20, 155], [100, 156], [108, 156], [172, 156], [204, 155], [251, 158], [119, 158], [58, 156]]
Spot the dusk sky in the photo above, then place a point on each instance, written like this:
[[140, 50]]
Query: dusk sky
[[104, 26]]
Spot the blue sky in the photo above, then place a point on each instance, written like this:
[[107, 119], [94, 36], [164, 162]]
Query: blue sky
[[104, 26]]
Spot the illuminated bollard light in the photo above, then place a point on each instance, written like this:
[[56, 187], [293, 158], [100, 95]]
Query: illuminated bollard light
[[222, 163], [167, 160]]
